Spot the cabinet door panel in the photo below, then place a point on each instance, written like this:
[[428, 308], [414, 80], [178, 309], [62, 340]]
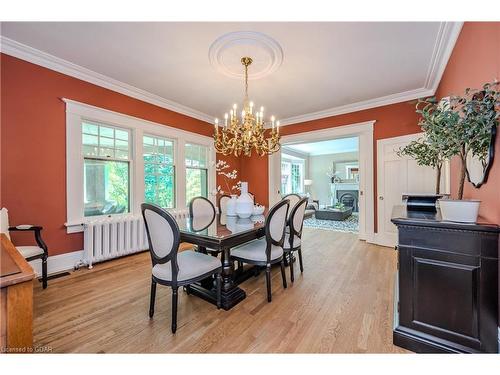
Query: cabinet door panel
[[442, 292]]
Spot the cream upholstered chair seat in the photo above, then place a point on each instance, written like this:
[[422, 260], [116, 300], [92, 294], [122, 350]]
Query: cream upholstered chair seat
[[256, 251], [296, 241], [30, 251], [191, 264]]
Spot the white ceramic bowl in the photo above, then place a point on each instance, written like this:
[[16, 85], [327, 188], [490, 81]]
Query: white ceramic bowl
[[258, 210]]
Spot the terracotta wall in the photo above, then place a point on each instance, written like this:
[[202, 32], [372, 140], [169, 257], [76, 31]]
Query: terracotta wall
[[33, 145], [392, 121], [474, 61]]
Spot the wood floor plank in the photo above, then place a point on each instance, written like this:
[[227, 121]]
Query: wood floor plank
[[342, 303]]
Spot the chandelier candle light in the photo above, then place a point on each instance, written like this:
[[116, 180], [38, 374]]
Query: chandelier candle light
[[239, 136]]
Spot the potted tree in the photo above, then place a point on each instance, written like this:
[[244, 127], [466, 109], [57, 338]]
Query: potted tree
[[478, 113], [430, 150]]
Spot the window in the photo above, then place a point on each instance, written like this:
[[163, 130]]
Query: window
[[196, 171], [115, 162], [297, 178], [159, 171], [292, 177], [106, 175]]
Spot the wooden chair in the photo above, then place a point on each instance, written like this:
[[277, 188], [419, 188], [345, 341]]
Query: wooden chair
[[171, 268], [269, 250], [28, 252], [293, 240]]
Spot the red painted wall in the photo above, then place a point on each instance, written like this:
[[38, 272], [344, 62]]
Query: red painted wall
[[476, 60], [392, 121], [33, 145]]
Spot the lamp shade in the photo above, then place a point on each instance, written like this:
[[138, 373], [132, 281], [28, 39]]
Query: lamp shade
[[308, 182]]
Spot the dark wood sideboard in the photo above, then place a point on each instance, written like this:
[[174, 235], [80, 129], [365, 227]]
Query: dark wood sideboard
[[447, 284]]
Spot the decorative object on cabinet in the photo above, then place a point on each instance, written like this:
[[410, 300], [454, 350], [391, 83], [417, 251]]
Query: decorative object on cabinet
[[463, 126], [421, 202], [446, 290]]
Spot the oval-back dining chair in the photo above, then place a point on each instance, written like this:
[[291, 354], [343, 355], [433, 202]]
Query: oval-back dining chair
[[293, 240], [269, 250], [169, 267]]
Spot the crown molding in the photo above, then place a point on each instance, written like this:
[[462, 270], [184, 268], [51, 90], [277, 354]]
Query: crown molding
[[35, 56], [445, 42], [359, 106]]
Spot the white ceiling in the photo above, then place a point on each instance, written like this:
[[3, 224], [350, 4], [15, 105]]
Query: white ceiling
[[334, 146], [328, 68]]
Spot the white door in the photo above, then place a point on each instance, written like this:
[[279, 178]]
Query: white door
[[397, 176], [274, 178]]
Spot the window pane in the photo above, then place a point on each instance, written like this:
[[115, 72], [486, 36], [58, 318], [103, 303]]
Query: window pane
[[121, 134], [196, 155], [90, 129], [196, 183], [99, 140], [106, 187], [107, 132], [159, 172]]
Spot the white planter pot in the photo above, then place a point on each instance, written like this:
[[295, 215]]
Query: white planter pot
[[244, 204], [231, 206], [462, 211]]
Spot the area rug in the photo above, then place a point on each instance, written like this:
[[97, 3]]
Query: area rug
[[348, 225]]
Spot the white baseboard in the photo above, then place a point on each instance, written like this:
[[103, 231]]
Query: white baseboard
[[58, 263], [377, 239]]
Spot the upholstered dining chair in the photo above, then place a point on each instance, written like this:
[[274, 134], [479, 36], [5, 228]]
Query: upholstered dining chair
[[294, 199], [269, 250], [293, 240], [171, 268], [28, 252], [202, 210], [201, 206], [222, 203]]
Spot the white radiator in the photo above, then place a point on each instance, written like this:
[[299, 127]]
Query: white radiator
[[112, 237]]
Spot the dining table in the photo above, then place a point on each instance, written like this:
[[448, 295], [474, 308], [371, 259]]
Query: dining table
[[216, 235]]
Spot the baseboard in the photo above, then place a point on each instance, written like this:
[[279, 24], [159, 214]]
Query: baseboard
[[58, 263], [377, 239]]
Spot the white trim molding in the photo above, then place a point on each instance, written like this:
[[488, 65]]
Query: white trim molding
[[76, 112], [35, 56], [445, 42], [364, 131], [58, 263]]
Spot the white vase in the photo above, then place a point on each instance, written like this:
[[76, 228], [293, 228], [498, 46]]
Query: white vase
[[231, 206], [244, 203], [462, 211]]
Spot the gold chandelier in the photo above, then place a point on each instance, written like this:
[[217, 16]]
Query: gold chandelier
[[239, 136]]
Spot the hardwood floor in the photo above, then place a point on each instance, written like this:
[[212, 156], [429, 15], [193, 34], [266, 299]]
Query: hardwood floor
[[342, 303]]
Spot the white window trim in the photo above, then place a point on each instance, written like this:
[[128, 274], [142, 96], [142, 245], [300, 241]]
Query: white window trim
[[76, 112]]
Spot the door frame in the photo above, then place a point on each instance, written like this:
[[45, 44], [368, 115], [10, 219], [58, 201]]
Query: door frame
[[380, 238], [364, 132]]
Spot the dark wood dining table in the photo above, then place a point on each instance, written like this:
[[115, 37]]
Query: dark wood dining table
[[217, 235]]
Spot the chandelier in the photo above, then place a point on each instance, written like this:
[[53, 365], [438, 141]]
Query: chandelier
[[239, 135]]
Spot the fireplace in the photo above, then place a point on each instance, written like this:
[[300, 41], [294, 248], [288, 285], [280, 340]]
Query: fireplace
[[349, 198]]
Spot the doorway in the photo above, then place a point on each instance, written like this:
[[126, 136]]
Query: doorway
[[361, 172]]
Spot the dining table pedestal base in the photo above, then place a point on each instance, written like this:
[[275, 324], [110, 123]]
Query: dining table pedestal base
[[229, 298]]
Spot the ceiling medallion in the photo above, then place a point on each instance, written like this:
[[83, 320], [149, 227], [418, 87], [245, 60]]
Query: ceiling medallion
[[225, 54], [237, 136]]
